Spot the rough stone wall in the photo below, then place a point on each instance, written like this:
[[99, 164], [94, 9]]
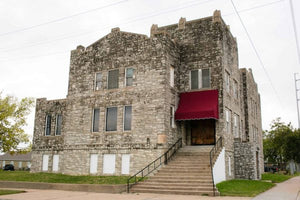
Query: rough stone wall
[[197, 44], [252, 110], [244, 155]]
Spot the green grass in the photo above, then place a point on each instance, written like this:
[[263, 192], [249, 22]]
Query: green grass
[[60, 178], [276, 178], [243, 188], [5, 192]]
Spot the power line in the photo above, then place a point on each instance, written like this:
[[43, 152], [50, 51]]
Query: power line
[[295, 30], [61, 19], [256, 52], [134, 20]]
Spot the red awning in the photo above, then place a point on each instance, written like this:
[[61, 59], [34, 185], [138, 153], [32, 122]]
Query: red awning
[[198, 105]]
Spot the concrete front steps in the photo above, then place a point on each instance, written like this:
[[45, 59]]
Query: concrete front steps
[[188, 173]]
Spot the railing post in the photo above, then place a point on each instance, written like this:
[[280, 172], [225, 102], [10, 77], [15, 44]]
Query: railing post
[[128, 185]]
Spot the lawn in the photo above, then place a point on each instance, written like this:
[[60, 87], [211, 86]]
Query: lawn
[[243, 188], [276, 178], [5, 192], [60, 178]]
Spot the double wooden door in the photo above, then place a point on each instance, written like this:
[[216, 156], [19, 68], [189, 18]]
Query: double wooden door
[[203, 132]]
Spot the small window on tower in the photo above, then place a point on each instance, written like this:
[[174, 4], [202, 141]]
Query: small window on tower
[[129, 76], [98, 81]]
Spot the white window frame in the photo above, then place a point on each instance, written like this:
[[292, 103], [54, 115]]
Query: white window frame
[[227, 119], [95, 82], [125, 168], [20, 164], [125, 77], [236, 125], [124, 119], [173, 116], [200, 86], [109, 165], [55, 163], [172, 76]]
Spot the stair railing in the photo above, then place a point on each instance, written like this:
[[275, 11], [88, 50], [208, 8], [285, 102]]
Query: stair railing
[[163, 159], [213, 152]]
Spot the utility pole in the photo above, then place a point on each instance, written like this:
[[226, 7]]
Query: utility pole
[[297, 98]]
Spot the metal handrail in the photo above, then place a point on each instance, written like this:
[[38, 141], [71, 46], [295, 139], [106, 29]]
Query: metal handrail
[[212, 154], [155, 164]]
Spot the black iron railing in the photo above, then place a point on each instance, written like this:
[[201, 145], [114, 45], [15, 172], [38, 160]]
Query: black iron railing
[[163, 159], [213, 152]]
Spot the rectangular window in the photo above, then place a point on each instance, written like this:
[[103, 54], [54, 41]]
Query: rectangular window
[[98, 80], [109, 163], [125, 163], [111, 119], [20, 165], [45, 162], [205, 78], [113, 79], [48, 125], [227, 81], [172, 122], [127, 118], [94, 163], [200, 78], [227, 113], [194, 79], [55, 163], [28, 165], [58, 124], [129, 76], [235, 89], [172, 76], [236, 126], [3, 163], [96, 117]]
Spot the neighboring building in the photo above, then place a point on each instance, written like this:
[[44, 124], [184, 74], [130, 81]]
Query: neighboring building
[[19, 161], [130, 97]]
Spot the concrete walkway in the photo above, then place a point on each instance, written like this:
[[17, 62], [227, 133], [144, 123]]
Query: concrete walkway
[[32, 194], [288, 190]]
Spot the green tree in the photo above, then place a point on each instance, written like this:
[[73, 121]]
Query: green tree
[[292, 146], [275, 142], [12, 121]]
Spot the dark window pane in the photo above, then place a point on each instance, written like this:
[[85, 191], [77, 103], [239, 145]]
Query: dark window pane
[[127, 118], [98, 81], [58, 124], [48, 125], [194, 79], [205, 78], [129, 76], [113, 79], [111, 119], [96, 120]]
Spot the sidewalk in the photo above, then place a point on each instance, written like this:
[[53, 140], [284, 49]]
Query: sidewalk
[[32, 194], [287, 190]]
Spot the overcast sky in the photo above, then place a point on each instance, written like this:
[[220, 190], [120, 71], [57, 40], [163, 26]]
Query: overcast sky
[[36, 38]]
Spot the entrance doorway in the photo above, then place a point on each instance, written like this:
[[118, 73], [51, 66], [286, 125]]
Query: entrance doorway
[[203, 132]]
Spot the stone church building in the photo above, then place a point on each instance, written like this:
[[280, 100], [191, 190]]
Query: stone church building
[[130, 97]]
